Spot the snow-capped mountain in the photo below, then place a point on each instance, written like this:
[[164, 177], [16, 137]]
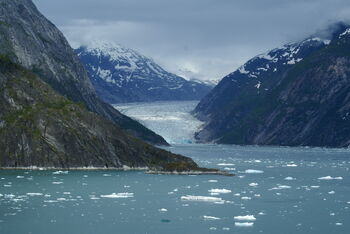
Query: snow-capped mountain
[[293, 95], [121, 74]]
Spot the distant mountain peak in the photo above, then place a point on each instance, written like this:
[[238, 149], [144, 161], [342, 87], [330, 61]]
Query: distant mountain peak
[[121, 74]]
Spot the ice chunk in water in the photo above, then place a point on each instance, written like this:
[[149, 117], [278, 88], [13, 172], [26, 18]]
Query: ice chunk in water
[[330, 178], [212, 181], [211, 218], [289, 178], [60, 172], [225, 164], [245, 218], [247, 224], [118, 195], [218, 191], [253, 184], [162, 210], [251, 171], [34, 194], [202, 199]]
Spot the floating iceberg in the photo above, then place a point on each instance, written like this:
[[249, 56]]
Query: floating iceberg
[[330, 178], [251, 171], [118, 195], [225, 164], [34, 194], [218, 191], [211, 218], [289, 178], [244, 224], [60, 172], [202, 199], [245, 218]]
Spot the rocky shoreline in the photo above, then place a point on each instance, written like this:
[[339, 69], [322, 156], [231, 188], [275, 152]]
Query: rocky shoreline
[[125, 168]]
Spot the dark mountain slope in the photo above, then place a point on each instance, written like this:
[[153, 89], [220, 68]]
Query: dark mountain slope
[[303, 102], [40, 128], [32, 41]]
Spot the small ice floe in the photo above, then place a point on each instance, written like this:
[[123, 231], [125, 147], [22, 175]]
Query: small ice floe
[[34, 194], [253, 184], [50, 201], [261, 213], [93, 197], [219, 191], [246, 198], [280, 187], [252, 171], [57, 182], [210, 218], [212, 181], [289, 178], [66, 193], [330, 178], [246, 224], [339, 224], [213, 228], [257, 195], [118, 195], [315, 186], [217, 200], [7, 185], [106, 175], [226, 229], [257, 161], [162, 210], [229, 169], [85, 176], [331, 192], [225, 164], [292, 165], [20, 177], [332, 214], [245, 218], [60, 172], [61, 199]]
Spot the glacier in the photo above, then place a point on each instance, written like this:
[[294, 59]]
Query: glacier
[[172, 120]]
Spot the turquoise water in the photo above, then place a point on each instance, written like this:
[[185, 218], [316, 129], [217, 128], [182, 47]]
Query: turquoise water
[[276, 190]]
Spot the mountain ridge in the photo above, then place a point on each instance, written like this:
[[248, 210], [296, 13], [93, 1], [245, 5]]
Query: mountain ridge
[[121, 74], [32, 41], [264, 109]]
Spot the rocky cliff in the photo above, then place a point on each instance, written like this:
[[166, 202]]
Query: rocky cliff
[[32, 41], [39, 127], [294, 95]]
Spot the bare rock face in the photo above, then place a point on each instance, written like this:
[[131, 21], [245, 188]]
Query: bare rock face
[[32, 41], [39, 127], [296, 95]]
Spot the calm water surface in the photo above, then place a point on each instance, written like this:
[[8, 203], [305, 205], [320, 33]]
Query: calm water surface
[[287, 190]]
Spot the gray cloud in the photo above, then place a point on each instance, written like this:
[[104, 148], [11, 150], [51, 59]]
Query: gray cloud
[[205, 39]]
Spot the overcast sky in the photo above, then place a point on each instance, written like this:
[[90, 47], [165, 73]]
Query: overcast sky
[[203, 39]]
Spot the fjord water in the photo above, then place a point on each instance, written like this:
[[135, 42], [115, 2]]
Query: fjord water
[[276, 190]]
